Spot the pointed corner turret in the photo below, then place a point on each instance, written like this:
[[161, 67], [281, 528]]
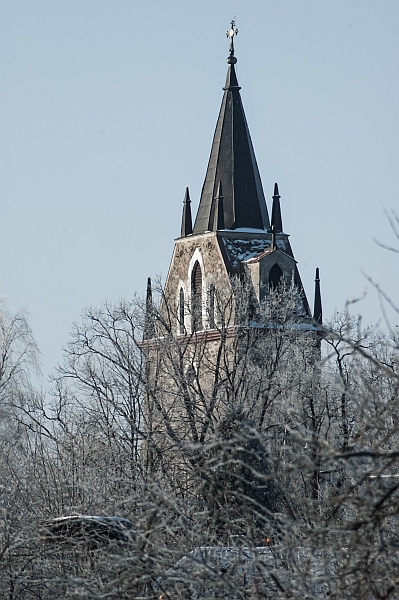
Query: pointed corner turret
[[318, 311], [149, 326], [186, 222], [149, 291], [218, 214], [276, 211]]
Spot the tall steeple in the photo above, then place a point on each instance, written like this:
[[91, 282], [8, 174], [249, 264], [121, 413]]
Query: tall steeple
[[232, 234], [233, 163]]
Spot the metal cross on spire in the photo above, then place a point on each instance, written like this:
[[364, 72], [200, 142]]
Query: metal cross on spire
[[231, 33]]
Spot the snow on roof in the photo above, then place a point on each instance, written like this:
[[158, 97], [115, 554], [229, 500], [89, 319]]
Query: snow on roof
[[97, 518], [261, 255], [216, 555], [248, 230], [203, 568], [208, 561], [279, 247], [241, 249], [89, 529], [301, 326]]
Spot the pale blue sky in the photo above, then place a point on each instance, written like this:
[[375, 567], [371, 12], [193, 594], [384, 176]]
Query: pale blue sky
[[107, 113]]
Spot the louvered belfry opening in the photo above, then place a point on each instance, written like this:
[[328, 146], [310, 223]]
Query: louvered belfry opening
[[196, 298], [275, 276], [181, 311]]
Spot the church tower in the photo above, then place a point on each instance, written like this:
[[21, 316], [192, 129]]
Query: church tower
[[232, 235], [234, 321]]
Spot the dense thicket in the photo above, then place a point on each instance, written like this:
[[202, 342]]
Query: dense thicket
[[250, 467]]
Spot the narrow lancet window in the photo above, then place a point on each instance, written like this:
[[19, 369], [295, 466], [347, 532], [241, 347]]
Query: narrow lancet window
[[196, 298], [181, 312], [212, 322], [275, 276]]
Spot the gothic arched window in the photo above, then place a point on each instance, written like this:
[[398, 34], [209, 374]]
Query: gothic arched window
[[181, 311], [275, 276], [196, 297]]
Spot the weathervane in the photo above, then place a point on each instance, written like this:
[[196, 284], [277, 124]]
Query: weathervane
[[233, 31]]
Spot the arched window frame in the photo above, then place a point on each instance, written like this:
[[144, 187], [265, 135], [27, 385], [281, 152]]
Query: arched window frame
[[196, 297], [276, 276]]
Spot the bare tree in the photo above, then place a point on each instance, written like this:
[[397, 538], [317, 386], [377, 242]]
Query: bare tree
[[247, 463]]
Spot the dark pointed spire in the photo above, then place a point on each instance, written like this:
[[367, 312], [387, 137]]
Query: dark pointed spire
[[276, 211], [149, 327], [231, 78], [318, 312], [218, 210], [233, 163], [186, 222]]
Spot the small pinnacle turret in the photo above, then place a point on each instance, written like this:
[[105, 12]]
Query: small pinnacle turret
[[276, 211], [318, 311], [149, 326], [186, 222]]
